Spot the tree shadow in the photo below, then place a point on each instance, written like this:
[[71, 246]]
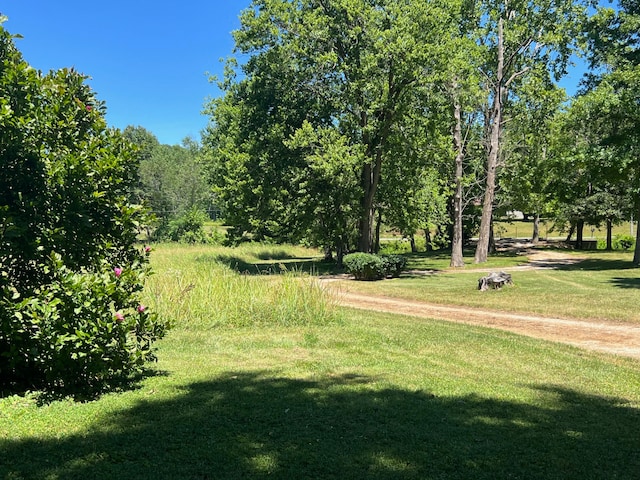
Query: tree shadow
[[254, 425], [46, 395], [597, 264], [625, 282], [310, 265]]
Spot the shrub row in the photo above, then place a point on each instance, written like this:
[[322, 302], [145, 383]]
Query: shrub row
[[367, 266]]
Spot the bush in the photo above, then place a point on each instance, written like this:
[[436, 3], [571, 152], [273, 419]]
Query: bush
[[81, 332], [393, 265], [364, 266], [71, 272], [623, 242], [189, 228]]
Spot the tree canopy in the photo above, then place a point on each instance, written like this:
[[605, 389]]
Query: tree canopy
[[345, 114]]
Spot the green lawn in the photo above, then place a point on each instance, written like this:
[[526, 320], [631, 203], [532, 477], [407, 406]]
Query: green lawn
[[603, 286], [331, 393]]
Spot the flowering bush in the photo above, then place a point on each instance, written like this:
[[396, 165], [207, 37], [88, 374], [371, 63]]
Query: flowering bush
[[71, 272]]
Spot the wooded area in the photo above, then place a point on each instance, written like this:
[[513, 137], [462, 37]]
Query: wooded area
[[342, 116]]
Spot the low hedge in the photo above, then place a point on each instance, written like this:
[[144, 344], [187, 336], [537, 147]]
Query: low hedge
[[367, 266]]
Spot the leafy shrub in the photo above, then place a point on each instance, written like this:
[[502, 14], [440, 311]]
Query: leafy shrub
[[623, 242], [364, 266], [189, 228], [393, 265], [81, 331], [367, 266], [71, 272], [392, 247]]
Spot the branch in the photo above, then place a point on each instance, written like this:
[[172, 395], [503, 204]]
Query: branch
[[516, 75]]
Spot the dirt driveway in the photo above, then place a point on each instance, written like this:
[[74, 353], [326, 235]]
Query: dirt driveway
[[610, 337]]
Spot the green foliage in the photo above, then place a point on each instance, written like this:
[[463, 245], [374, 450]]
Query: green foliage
[[367, 266], [623, 242], [171, 178], [392, 247], [65, 223], [393, 265], [337, 82], [364, 266], [188, 228], [81, 331]]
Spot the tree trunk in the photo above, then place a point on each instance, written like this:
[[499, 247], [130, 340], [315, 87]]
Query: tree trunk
[[495, 118], [370, 179], [339, 257], [609, 234], [376, 246], [412, 240], [492, 240], [427, 240], [636, 251], [535, 238], [365, 242], [457, 258], [572, 228], [579, 234]]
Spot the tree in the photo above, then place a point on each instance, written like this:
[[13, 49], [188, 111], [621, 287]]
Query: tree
[[344, 65], [615, 53], [172, 181], [521, 38], [529, 150], [71, 271]]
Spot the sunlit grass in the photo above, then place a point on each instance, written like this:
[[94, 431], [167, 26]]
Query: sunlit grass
[[604, 286], [296, 394]]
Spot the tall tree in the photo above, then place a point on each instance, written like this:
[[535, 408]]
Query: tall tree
[[528, 150], [351, 66], [522, 38], [615, 53], [171, 177]]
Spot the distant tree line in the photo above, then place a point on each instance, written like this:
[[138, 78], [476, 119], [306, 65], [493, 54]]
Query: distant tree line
[[171, 183]]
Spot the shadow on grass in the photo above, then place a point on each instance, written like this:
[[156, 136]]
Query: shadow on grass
[[293, 264], [274, 255], [252, 425], [80, 393], [599, 264], [626, 282]]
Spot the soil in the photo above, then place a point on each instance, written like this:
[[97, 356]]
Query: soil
[[604, 336]]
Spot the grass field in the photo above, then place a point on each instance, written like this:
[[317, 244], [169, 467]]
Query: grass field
[[603, 286], [263, 377]]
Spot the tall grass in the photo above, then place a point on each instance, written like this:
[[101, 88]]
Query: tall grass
[[197, 288]]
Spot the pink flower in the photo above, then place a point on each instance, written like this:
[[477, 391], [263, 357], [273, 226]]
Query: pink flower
[[119, 317], [117, 271], [89, 108], [147, 249], [141, 308]]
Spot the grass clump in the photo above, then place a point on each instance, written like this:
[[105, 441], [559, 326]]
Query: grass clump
[[200, 290]]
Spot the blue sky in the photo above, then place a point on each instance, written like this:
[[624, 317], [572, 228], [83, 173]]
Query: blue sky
[[147, 59]]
